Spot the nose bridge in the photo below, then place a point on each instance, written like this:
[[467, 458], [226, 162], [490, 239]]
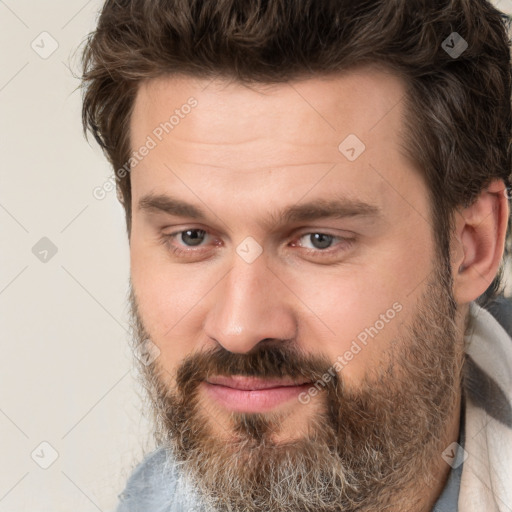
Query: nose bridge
[[249, 305]]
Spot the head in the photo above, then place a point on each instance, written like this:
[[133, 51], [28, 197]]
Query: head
[[314, 193]]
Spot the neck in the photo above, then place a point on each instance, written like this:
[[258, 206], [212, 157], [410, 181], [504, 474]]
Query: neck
[[440, 470]]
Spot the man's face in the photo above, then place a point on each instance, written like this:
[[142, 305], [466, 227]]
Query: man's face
[[290, 340]]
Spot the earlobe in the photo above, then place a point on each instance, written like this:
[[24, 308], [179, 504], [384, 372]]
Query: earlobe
[[480, 231]]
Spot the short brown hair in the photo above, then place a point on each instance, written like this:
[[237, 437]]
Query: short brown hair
[[459, 118]]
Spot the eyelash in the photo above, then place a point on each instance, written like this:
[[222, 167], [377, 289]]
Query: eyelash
[[346, 243]]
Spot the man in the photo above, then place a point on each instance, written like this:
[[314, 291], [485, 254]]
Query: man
[[316, 197]]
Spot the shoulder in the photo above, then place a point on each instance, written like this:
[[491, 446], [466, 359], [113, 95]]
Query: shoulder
[[156, 485], [488, 369], [501, 309], [150, 486]]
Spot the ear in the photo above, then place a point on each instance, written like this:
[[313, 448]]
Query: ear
[[479, 242]]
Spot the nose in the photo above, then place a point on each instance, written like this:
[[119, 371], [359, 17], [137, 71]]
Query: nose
[[249, 305]]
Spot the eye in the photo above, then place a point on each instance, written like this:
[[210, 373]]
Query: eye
[[191, 237], [323, 246], [182, 243], [319, 240]]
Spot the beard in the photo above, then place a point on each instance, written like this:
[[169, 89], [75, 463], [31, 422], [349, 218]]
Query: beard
[[369, 446]]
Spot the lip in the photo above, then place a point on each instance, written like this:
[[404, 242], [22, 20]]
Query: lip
[[252, 394]]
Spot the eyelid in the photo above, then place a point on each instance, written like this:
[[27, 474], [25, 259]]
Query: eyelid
[[295, 232], [170, 231], [300, 234], [344, 233], [342, 244]]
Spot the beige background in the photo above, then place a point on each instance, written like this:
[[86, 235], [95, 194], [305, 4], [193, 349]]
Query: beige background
[[65, 366]]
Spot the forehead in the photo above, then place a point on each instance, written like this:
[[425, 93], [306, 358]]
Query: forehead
[[236, 136], [321, 110]]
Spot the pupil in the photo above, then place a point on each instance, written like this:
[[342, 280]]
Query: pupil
[[194, 240], [322, 241]]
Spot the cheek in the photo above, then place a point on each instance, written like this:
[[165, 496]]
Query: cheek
[[347, 326], [358, 311], [169, 300]]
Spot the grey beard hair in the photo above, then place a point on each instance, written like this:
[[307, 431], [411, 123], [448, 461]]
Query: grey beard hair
[[368, 449]]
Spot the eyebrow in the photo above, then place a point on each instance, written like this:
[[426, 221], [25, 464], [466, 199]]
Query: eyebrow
[[313, 210]]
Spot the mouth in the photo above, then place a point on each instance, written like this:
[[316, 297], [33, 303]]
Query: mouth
[[252, 394]]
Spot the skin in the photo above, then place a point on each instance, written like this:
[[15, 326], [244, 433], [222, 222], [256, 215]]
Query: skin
[[245, 153]]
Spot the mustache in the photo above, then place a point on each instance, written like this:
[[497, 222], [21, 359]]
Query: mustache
[[275, 360]]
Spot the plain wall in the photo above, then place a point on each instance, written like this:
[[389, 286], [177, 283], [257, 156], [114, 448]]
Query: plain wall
[[65, 370]]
